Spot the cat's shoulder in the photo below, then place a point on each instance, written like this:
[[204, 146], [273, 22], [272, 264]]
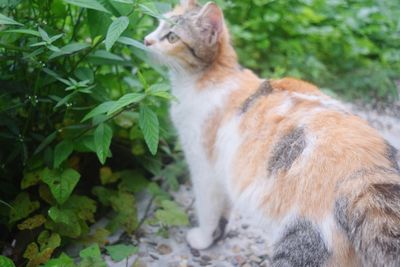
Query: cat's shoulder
[[294, 85]]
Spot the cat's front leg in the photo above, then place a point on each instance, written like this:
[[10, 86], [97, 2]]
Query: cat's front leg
[[211, 206]]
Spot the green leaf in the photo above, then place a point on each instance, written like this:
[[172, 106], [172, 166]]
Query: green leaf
[[124, 1], [92, 251], [6, 262], [160, 90], [126, 100], [69, 49], [90, 4], [83, 207], [46, 240], [22, 206], [61, 183], [32, 223], [115, 30], [101, 109], [46, 142], [171, 214], [44, 35], [65, 222], [91, 256], [120, 252], [24, 31], [63, 261], [102, 57], [107, 176], [30, 179], [62, 151], [150, 10], [150, 127], [8, 21], [132, 42], [124, 205], [102, 141]]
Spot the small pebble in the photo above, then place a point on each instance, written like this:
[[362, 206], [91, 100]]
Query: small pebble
[[164, 249], [254, 258], [195, 252], [236, 249]]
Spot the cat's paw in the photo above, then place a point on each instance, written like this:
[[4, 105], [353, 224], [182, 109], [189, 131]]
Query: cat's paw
[[198, 240]]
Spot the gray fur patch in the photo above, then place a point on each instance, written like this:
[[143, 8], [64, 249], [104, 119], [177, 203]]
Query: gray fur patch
[[264, 89], [392, 156], [287, 150], [374, 226], [301, 245]]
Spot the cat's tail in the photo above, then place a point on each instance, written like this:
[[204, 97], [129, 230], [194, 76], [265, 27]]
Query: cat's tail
[[368, 211]]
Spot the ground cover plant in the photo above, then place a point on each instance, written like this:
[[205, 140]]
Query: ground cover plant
[[84, 127]]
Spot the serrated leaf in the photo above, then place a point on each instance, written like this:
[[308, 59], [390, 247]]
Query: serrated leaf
[[22, 206], [101, 109], [6, 262], [62, 261], [32, 223], [4, 20], [126, 100], [102, 141], [150, 127], [62, 151], [61, 184], [115, 30], [120, 252], [69, 49], [90, 4]]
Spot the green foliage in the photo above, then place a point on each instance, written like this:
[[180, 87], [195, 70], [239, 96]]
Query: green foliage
[[350, 47], [76, 86], [6, 262], [171, 214], [120, 252]]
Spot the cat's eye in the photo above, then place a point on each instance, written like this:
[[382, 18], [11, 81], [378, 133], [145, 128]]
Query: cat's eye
[[172, 37]]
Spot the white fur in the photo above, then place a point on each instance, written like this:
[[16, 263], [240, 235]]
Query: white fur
[[189, 115]]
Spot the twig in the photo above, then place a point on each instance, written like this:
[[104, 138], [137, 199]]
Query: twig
[[146, 213]]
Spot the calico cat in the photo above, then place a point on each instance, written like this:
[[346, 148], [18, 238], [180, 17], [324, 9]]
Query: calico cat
[[323, 183]]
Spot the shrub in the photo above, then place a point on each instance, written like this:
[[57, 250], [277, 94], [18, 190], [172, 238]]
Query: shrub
[[75, 90]]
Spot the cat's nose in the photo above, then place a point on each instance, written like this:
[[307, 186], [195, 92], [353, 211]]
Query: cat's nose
[[148, 41]]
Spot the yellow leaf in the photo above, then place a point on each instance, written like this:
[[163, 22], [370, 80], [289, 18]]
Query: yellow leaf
[[32, 223]]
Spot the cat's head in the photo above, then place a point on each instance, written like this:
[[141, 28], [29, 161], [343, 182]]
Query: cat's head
[[191, 37]]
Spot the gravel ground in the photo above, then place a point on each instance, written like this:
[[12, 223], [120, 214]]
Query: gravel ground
[[244, 244]]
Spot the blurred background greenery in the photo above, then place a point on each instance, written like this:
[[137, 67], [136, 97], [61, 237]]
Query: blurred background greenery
[[84, 127]]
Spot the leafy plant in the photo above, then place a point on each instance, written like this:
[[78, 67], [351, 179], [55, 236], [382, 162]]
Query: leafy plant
[[78, 100]]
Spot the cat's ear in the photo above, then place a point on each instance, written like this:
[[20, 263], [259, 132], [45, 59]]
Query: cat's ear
[[212, 15], [188, 4]]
